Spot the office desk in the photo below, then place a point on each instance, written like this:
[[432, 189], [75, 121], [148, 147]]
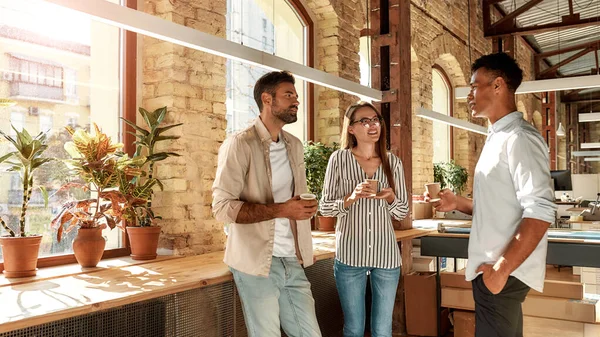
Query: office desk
[[565, 248]]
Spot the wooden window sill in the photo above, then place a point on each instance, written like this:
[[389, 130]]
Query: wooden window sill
[[65, 291]]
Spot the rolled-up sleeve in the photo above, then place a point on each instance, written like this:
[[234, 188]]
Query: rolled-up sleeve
[[332, 198], [399, 207], [230, 179], [528, 163]]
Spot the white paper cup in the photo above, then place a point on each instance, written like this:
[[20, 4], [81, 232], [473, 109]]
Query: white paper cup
[[308, 196]]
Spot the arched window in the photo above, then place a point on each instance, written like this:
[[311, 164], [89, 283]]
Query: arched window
[[281, 28], [442, 103]]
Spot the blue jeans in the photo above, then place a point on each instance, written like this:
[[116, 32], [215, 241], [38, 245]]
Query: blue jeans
[[352, 285], [283, 300]]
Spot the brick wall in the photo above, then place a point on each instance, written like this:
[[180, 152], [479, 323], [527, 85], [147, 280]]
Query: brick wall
[[192, 85], [337, 44]]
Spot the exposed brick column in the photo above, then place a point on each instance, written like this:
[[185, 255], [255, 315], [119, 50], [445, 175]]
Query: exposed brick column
[[192, 85]]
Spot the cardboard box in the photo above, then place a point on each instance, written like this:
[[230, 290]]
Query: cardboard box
[[421, 304], [464, 324], [422, 210], [585, 310], [552, 288], [423, 264]]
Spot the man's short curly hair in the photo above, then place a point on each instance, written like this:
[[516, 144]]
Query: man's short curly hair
[[501, 65]]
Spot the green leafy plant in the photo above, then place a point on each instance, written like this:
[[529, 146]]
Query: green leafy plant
[[25, 159], [438, 174], [147, 139], [451, 175], [103, 166], [316, 157]]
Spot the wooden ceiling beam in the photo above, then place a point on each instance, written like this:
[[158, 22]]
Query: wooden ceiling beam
[[537, 29], [552, 70], [509, 20]]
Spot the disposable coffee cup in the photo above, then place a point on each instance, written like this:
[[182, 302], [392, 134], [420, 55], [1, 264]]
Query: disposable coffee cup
[[374, 183], [308, 196], [434, 190]]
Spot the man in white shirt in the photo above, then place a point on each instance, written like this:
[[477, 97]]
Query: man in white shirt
[[512, 203]]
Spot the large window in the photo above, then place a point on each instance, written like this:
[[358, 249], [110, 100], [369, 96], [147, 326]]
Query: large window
[[275, 28], [54, 63], [442, 103]]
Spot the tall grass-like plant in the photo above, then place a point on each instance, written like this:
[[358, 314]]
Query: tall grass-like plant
[[147, 140], [25, 158]]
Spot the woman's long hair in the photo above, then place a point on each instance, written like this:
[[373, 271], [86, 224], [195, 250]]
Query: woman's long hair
[[349, 141]]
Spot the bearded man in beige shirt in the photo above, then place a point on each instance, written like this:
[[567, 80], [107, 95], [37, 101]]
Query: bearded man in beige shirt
[[259, 179]]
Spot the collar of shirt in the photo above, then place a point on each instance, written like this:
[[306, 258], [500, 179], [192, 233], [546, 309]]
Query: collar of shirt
[[505, 121], [264, 134]]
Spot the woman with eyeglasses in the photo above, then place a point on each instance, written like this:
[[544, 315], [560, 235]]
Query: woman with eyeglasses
[[365, 240]]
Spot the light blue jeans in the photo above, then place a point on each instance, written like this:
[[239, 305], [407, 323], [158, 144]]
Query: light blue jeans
[[352, 285], [283, 300]]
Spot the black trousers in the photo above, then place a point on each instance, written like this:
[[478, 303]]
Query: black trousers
[[499, 315]]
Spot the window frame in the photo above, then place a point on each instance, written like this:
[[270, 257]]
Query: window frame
[[128, 105], [446, 80], [309, 46]]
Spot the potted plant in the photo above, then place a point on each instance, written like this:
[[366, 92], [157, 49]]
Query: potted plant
[[451, 175], [316, 158], [104, 167], [141, 225], [20, 251]]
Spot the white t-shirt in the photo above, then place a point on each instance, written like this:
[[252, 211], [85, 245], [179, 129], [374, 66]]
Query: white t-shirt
[[512, 182], [282, 184]]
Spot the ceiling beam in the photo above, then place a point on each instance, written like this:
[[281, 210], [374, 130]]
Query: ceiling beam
[[581, 98], [572, 48], [532, 30], [552, 70], [509, 20]]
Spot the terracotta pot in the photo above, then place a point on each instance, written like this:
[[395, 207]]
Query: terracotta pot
[[88, 246], [326, 223], [20, 255], [144, 242]]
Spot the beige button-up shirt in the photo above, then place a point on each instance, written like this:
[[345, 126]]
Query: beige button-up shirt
[[244, 175]]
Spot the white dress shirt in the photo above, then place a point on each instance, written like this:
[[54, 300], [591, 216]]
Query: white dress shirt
[[512, 181]]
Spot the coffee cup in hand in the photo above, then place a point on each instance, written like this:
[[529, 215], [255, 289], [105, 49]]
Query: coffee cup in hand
[[308, 196], [433, 190], [373, 184]]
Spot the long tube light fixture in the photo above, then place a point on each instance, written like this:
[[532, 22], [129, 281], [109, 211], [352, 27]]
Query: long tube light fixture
[[589, 117], [146, 24], [459, 123], [585, 153], [555, 84], [590, 145], [592, 159]]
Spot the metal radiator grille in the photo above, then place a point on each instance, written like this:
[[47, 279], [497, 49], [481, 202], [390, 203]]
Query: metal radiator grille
[[212, 311]]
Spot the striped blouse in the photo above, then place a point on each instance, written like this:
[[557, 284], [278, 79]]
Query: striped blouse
[[364, 233]]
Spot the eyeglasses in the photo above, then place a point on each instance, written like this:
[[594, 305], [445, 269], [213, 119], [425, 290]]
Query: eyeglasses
[[367, 122]]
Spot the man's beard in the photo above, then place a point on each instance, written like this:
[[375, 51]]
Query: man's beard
[[286, 115]]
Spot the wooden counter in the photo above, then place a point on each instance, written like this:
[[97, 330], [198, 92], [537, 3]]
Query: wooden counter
[[67, 291]]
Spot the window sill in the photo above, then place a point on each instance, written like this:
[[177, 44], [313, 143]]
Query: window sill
[[65, 291]]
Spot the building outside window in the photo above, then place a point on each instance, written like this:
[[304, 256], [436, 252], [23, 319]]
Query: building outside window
[[288, 40], [49, 54]]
